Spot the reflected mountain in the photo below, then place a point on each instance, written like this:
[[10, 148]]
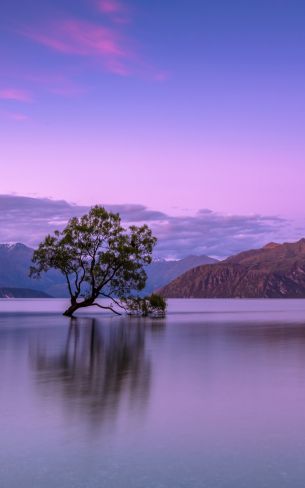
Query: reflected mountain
[[100, 371]]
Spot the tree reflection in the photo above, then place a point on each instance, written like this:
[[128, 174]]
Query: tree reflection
[[100, 371]]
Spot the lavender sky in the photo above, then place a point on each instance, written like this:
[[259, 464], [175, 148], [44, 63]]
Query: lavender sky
[[169, 106]]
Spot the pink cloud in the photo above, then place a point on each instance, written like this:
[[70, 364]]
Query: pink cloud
[[106, 45], [115, 9], [110, 6], [19, 117], [78, 37], [161, 76], [15, 95], [16, 116]]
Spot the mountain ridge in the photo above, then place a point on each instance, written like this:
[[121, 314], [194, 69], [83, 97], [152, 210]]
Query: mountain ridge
[[15, 260], [273, 271], [8, 292]]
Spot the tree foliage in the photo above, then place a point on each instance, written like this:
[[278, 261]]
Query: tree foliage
[[98, 257], [153, 305]]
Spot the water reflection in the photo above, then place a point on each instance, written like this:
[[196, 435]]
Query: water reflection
[[100, 370], [130, 404]]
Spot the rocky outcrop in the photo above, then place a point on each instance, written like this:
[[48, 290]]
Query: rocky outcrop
[[274, 271]]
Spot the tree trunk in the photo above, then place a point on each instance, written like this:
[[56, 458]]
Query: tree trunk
[[86, 303], [70, 311], [75, 306]]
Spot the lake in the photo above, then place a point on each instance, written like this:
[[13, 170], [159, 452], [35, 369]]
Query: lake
[[211, 397]]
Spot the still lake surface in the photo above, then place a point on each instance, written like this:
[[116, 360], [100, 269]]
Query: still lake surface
[[211, 397]]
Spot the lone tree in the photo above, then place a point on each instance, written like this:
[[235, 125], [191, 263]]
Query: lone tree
[[98, 257]]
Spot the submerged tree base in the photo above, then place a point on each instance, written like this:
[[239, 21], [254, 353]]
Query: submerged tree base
[[76, 306], [87, 303], [69, 313], [153, 306]]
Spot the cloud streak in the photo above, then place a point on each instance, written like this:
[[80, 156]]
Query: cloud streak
[[104, 42], [86, 39], [14, 94], [110, 6], [28, 220], [114, 9], [15, 116]]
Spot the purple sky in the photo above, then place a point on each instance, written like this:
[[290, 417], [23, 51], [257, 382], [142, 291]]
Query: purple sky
[[177, 106]]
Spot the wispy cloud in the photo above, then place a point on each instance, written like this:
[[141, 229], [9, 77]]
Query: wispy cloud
[[104, 42], [15, 116], [110, 6], [161, 75], [15, 94], [82, 38], [18, 116], [116, 10], [28, 220]]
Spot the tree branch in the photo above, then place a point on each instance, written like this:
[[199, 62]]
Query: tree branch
[[69, 285], [113, 299], [109, 279], [106, 308], [79, 282]]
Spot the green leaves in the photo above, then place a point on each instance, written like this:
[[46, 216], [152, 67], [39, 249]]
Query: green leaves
[[153, 305]]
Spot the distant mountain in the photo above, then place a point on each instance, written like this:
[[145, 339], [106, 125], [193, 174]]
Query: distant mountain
[[15, 260], [274, 271], [161, 272], [22, 293]]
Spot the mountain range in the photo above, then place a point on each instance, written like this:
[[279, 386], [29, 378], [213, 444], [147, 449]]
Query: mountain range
[[15, 260], [22, 293], [159, 273], [274, 271]]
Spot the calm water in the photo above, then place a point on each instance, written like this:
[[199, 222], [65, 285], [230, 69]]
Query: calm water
[[213, 396]]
